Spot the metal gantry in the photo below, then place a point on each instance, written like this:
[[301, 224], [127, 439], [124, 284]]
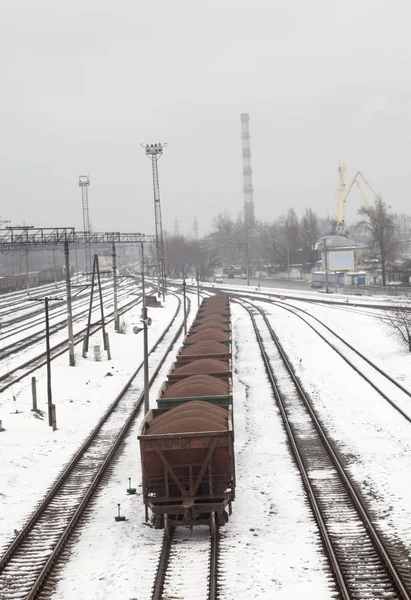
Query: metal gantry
[[84, 182], [154, 153], [29, 237]]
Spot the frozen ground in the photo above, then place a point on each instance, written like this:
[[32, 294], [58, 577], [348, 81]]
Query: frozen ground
[[374, 439], [271, 547], [79, 323], [118, 560], [272, 550], [31, 454]]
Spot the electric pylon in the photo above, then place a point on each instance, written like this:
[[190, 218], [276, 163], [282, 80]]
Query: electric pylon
[[84, 182], [154, 153]]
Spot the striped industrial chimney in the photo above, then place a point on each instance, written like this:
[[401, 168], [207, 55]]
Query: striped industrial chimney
[[249, 218]]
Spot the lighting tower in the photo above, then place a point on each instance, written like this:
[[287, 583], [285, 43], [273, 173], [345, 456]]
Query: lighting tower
[[84, 182], [249, 218], [154, 153]]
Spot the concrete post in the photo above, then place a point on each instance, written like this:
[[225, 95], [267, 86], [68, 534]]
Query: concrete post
[[72, 360], [34, 393]]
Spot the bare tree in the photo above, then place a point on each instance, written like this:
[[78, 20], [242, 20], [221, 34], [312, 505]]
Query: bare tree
[[309, 229], [379, 223], [398, 319]]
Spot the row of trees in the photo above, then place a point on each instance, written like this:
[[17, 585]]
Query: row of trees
[[285, 241]]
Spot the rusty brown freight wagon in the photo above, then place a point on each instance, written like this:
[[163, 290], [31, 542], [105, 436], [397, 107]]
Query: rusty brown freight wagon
[[187, 458]]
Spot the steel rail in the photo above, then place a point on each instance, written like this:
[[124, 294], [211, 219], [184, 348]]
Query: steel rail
[[340, 469], [163, 564], [36, 588], [63, 345], [54, 312], [389, 378], [38, 336], [261, 295], [213, 576], [157, 593], [347, 360]]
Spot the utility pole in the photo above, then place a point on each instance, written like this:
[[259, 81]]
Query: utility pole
[[115, 300], [46, 301], [154, 152], [84, 182], [184, 307], [326, 264], [145, 333], [247, 263], [27, 269], [72, 360], [198, 287], [288, 257], [49, 395]]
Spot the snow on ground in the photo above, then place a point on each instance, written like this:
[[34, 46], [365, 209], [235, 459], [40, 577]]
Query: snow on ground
[[296, 294], [374, 439], [31, 454], [79, 322], [368, 334], [271, 547], [118, 560]]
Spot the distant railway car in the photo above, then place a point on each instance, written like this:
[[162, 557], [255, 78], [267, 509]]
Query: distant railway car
[[52, 274], [187, 457]]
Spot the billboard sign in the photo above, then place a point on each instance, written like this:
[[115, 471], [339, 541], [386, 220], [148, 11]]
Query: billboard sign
[[341, 261]]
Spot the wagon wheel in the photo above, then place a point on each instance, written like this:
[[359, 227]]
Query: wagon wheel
[[213, 526]]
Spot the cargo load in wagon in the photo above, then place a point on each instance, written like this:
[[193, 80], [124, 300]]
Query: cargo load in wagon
[[210, 366], [202, 387], [206, 349]]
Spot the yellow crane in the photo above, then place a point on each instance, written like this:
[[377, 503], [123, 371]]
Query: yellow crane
[[355, 181], [339, 222]]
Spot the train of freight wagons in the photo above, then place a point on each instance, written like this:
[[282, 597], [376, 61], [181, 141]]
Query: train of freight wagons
[[187, 442], [20, 281]]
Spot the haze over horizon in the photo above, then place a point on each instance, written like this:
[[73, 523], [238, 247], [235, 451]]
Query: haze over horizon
[[84, 83]]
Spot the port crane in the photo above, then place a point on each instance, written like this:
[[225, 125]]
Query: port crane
[[339, 223]]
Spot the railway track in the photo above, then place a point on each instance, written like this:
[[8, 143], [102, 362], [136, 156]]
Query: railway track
[[391, 390], [28, 561], [365, 565], [36, 337], [18, 373], [187, 566], [31, 318]]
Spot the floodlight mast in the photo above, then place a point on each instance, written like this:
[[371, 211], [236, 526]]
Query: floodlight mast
[[154, 153], [84, 182]]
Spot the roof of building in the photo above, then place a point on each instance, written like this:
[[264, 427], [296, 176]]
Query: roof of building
[[337, 242]]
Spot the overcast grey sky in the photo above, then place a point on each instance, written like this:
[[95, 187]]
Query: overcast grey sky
[[84, 82]]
